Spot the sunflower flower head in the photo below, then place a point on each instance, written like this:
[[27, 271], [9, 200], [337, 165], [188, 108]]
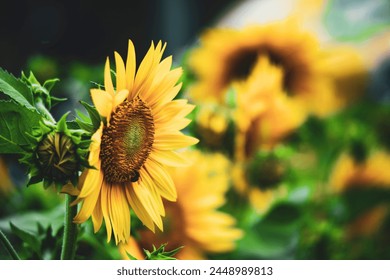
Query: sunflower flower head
[[310, 74], [137, 138], [194, 221], [265, 113]]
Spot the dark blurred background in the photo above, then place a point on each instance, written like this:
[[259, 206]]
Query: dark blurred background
[[87, 31]]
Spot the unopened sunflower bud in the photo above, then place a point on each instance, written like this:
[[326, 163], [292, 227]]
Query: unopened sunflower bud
[[57, 157], [266, 172], [59, 153]]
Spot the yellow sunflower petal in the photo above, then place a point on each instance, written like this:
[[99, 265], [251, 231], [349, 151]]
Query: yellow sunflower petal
[[130, 68], [169, 158], [120, 97], [120, 73], [107, 78], [148, 182], [102, 101], [119, 213], [92, 183], [105, 203], [143, 193], [89, 202], [97, 215], [138, 208], [144, 69], [172, 92], [167, 90], [173, 141], [162, 179]]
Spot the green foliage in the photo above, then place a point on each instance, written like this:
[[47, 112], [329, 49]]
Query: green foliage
[[15, 122], [160, 253], [16, 90]]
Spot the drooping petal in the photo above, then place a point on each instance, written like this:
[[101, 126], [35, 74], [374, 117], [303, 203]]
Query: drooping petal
[[162, 179], [105, 203], [119, 213], [93, 182], [93, 186], [97, 215], [138, 208], [144, 195]]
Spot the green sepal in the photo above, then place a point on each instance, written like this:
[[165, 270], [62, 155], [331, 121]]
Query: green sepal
[[86, 126], [34, 180], [61, 125], [93, 114], [49, 84], [56, 100], [73, 125], [161, 254]]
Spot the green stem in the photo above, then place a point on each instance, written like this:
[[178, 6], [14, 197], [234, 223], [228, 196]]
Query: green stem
[[70, 231], [9, 246]]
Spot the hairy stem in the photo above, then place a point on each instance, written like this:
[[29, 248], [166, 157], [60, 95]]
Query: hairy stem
[[69, 241]]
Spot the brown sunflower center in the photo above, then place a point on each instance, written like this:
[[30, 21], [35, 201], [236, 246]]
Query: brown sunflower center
[[241, 63], [127, 141]]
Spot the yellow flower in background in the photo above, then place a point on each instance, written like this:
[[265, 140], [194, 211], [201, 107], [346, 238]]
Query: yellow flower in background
[[261, 184], [131, 150], [212, 122], [305, 67], [194, 220], [6, 184], [349, 174], [265, 113]]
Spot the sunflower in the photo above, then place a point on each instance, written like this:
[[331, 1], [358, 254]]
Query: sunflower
[[307, 70], [265, 114], [349, 174], [194, 221], [136, 140]]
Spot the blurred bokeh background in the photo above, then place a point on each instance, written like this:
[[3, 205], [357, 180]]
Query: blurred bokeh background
[[292, 116]]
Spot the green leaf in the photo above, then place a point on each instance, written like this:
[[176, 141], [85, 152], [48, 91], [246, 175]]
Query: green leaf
[[356, 20], [275, 236], [15, 122], [27, 237], [15, 89]]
